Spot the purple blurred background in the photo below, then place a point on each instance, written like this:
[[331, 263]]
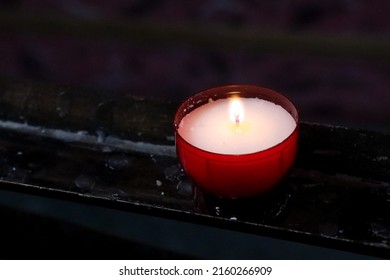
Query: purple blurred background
[[337, 87]]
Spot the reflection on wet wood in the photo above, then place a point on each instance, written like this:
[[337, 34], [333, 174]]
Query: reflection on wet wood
[[118, 151]]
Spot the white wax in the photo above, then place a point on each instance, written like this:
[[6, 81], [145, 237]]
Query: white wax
[[262, 126]]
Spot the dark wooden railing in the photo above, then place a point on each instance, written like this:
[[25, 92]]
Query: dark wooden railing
[[117, 151]]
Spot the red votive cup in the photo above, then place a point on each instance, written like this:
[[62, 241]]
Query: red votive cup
[[231, 175]]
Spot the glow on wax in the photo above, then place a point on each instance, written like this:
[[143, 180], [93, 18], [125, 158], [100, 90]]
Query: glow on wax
[[237, 126]]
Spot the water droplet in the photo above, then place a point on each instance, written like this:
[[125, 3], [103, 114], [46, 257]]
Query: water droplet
[[184, 187], [63, 104], [385, 243], [17, 174], [233, 218], [19, 153], [61, 113], [107, 149], [118, 194], [158, 183], [114, 196], [153, 158], [380, 230], [162, 193], [119, 162], [101, 136], [217, 210], [381, 158], [84, 182], [174, 173], [82, 133]]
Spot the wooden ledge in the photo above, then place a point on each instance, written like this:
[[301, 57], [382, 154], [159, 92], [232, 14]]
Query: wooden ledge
[[118, 151]]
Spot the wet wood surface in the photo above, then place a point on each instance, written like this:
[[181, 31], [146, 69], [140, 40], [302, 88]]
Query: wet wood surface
[[117, 151]]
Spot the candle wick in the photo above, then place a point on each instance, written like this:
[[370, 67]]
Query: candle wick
[[237, 119]]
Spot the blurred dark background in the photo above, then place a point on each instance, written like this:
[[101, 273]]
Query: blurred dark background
[[330, 57]]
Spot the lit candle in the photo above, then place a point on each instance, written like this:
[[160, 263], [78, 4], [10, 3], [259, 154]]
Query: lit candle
[[236, 141], [221, 127]]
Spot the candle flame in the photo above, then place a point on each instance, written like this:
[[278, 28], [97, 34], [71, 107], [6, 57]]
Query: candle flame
[[236, 111]]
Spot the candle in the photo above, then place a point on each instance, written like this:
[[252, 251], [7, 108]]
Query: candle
[[221, 127], [236, 141]]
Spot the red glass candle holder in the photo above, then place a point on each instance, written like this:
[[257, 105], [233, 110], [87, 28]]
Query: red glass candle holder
[[243, 175]]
